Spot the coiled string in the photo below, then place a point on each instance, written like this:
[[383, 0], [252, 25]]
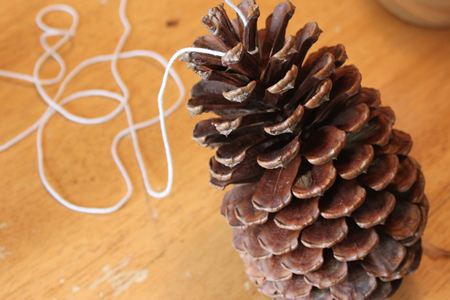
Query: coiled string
[[56, 104]]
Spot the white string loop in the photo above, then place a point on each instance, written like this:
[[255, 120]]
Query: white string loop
[[238, 11], [55, 104]]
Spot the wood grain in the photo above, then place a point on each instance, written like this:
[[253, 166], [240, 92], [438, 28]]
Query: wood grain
[[179, 247]]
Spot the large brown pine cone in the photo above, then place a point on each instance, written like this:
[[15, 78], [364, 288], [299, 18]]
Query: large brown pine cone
[[326, 202]]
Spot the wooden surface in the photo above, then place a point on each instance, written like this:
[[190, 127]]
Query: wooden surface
[[179, 247]]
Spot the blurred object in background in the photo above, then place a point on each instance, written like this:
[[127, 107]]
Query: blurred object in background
[[428, 13]]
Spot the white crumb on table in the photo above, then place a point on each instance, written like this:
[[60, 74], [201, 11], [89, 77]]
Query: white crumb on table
[[118, 278], [75, 289], [4, 253]]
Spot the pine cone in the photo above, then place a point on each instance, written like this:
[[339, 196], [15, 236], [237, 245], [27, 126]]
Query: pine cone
[[326, 202]]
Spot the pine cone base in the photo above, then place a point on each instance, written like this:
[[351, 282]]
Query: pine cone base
[[326, 202]]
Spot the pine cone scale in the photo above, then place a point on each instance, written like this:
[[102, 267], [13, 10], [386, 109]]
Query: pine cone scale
[[274, 189], [353, 161], [314, 180], [324, 233], [331, 273], [303, 260], [299, 214], [358, 286], [356, 245]]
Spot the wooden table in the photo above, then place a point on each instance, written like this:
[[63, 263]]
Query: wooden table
[[179, 247]]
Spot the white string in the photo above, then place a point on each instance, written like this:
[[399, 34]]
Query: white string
[[57, 105], [238, 11]]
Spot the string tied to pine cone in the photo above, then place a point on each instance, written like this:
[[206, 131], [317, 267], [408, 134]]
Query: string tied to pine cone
[[326, 202]]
